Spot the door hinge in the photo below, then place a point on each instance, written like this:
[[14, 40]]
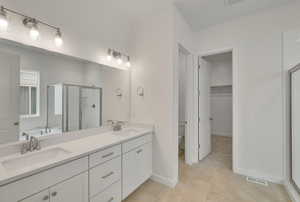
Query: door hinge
[[199, 146], [198, 119], [199, 92]]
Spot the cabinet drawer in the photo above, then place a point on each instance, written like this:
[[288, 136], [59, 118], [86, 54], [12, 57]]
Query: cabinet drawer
[[111, 194], [105, 155], [132, 144], [104, 175]]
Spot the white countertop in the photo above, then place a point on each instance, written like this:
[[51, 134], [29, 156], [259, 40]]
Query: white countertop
[[76, 148]]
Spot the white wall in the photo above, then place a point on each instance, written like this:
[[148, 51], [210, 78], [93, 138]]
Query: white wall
[[57, 69], [260, 92], [153, 70], [221, 71], [155, 46], [221, 113]]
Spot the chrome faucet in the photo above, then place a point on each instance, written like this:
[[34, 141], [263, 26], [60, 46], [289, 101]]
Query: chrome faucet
[[116, 125], [31, 144]]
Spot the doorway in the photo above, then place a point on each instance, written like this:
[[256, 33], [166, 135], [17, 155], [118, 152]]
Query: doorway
[[182, 103], [215, 84], [185, 137]]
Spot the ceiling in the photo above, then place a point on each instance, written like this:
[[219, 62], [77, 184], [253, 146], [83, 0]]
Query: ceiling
[[204, 13]]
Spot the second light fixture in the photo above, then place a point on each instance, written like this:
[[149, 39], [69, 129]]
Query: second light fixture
[[118, 56]]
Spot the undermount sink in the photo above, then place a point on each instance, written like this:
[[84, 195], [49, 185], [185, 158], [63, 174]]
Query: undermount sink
[[125, 132], [32, 159]]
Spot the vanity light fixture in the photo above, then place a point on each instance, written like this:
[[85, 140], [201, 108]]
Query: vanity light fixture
[[58, 39], [3, 19], [31, 23], [118, 56], [119, 60], [128, 64], [109, 54]]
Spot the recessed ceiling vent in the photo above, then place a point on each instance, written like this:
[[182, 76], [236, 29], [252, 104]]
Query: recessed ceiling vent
[[232, 2]]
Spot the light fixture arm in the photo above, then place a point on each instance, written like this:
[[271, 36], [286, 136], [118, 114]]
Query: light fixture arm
[[28, 17]]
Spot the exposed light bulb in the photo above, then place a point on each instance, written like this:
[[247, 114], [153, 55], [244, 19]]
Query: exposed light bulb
[[119, 61], [109, 54], [34, 33], [128, 64], [58, 39], [109, 57], [3, 20]]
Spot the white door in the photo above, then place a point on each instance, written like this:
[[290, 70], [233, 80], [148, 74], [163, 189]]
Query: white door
[[9, 102], [72, 190], [204, 131], [40, 197], [182, 94]]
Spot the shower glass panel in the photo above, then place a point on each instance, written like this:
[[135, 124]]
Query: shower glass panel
[[54, 108], [295, 125], [71, 107], [74, 107]]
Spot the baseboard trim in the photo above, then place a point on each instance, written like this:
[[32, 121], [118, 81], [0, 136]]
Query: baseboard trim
[[294, 196], [269, 178], [163, 180]]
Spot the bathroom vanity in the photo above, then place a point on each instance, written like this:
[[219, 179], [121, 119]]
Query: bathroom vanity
[[103, 167]]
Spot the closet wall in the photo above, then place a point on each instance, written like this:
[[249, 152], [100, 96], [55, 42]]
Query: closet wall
[[221, 94]]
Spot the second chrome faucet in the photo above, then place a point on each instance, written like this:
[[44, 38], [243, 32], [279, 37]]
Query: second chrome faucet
[[31, 144]]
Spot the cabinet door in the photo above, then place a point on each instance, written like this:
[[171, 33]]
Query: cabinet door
[[40, 197], [72, 190], [137, 168]]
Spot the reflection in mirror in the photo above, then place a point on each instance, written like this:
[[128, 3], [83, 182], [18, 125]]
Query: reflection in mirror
[[44, 93], [295, 126], [73, 107]]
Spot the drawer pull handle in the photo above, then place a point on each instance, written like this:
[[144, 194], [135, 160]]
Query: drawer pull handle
[[54, 194], [46, 198], [107, 155], [111, 199], [109, 174], [139, 151]]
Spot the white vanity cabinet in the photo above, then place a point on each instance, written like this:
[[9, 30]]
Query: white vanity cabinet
[[107, 175], [74, 189], [71, 175], [137, 164]]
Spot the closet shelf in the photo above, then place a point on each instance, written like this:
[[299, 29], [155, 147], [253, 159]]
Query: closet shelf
[[226, 89], [221, 86]]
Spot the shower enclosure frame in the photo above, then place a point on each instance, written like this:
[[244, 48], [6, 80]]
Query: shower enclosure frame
[[290, 102], [66, 113]]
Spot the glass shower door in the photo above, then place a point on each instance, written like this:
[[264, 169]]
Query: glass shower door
[[90, 107]]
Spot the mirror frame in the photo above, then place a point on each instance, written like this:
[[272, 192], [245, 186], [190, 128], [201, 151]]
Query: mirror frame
[[290, 73]]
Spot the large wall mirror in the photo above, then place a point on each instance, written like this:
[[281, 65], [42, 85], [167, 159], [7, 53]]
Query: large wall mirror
[[295, 126], [45, 93]]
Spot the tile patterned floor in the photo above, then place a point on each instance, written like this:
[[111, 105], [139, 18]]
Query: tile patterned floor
[[212, 180]]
